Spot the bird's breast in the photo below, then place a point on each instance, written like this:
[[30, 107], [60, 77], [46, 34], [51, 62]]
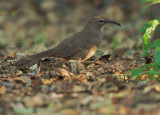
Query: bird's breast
[[90, 52]]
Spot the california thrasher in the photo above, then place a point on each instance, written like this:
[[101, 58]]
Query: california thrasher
[[80, 46]]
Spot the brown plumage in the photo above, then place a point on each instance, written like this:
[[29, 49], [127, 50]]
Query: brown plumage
[[80, 46]]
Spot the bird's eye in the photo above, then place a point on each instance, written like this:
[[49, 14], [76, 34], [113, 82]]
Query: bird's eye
[[101, 21]]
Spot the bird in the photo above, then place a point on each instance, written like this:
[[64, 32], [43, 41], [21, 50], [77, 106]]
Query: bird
[[80, 46]]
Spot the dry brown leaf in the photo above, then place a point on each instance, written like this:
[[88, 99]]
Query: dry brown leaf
[[144, 77], [46, 81], [37, 100], [19, 73], [91, 66], [157, 88], [102, 110], [3, 90], [64, 72], [19, 79], [78, 88], [11, 54], [67, 112]]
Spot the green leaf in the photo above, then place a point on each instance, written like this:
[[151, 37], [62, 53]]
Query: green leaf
[[143, 1], [151, 45], [154, 66], [157, 58], [42, 26], [152, 2], [143, 29], [39, 39], [145, 7], [13, 13], [137, 71], [148, 33], [151, 72], [42, 38], [23, 110]]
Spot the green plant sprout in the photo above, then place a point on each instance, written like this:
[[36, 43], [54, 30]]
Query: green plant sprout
[[149, 28], [40, 38], [151, 2]]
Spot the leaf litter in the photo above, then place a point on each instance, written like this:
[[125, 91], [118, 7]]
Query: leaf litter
[[94, 86]]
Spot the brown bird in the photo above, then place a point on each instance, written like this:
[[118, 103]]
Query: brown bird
[[80, 46]]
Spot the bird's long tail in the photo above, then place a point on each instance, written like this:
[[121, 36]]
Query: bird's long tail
[[35, 57]]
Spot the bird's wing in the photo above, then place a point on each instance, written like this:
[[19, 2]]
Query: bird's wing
[[78, 45]]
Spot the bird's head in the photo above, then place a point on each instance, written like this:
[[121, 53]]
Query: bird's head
[[97, 23]]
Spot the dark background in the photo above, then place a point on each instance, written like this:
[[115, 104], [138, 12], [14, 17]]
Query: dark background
[[22, 22]]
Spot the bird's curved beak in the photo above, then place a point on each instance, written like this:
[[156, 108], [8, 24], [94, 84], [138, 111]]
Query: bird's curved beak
[[112, 21]]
